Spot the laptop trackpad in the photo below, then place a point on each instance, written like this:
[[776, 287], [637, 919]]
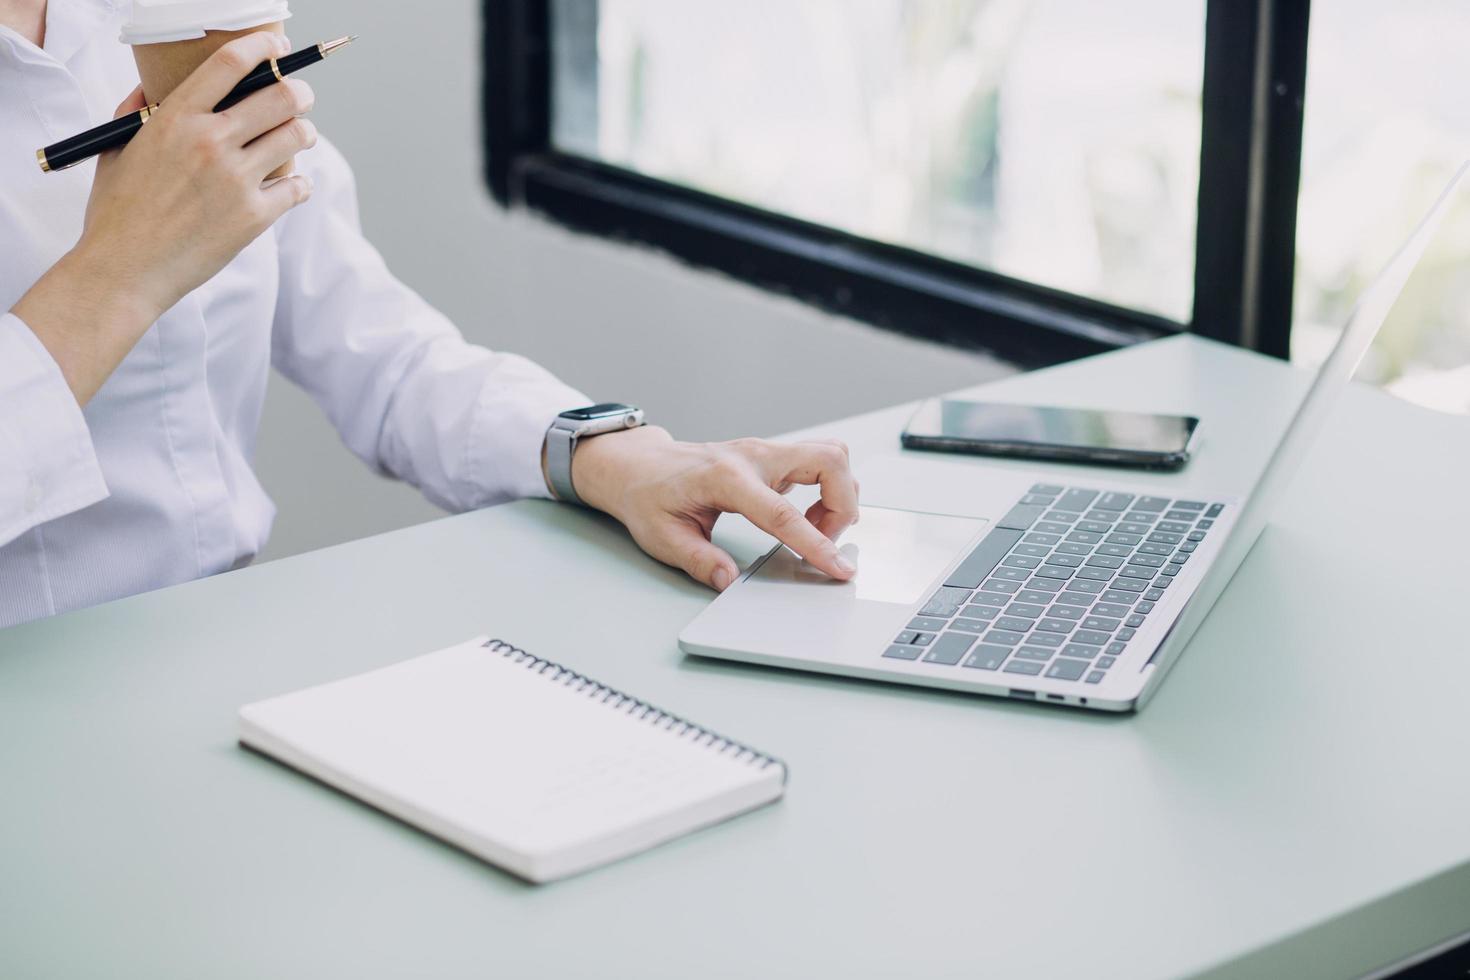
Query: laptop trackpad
[[898, 554]]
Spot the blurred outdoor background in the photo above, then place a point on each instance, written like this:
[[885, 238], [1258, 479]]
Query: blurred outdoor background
[[1055, 141]]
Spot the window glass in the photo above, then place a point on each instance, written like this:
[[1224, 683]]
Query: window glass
[[1055, 141], [1387, 124]]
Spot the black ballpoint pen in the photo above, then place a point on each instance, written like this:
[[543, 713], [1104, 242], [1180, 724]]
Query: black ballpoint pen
[[110, 135]]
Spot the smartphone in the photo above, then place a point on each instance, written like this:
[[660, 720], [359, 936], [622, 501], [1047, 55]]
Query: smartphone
[[1076, 435]]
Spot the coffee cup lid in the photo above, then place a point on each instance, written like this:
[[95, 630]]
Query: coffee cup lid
[[157, 21]]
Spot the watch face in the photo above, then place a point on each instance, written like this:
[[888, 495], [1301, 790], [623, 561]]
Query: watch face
[[602, 411]]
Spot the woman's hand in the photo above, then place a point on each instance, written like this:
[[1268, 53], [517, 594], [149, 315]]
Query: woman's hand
[[669, 495], [171, 209]]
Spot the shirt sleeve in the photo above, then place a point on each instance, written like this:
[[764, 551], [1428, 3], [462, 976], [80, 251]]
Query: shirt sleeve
[[406, 392], [47, 464]]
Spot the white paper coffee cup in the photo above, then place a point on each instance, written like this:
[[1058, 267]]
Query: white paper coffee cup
[[159, 21]]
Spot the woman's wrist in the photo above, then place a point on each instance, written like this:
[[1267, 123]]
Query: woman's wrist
[[88, 312], [604, 466]]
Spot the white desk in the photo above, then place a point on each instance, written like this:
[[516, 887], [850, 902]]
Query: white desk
[[1282, 808]]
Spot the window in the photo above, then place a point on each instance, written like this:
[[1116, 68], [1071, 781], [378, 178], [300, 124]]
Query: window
[[1387, 123], [1039, 178]]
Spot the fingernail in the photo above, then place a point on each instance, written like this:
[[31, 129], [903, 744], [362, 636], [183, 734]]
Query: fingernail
[[720, 579], [844, 566]]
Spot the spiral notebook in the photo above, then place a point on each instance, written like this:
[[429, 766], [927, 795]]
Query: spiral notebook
[[530, 766]]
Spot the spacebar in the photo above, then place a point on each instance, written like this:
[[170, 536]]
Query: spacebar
[[987, 554]]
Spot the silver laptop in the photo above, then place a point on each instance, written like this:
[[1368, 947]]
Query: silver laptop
[[1082, 593]]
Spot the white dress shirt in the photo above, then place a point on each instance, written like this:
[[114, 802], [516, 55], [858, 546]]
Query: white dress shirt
[[151, 483]]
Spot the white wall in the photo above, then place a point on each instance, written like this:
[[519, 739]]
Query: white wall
[[706, 356]]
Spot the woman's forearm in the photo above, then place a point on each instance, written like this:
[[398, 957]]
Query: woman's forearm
[[86, 315]]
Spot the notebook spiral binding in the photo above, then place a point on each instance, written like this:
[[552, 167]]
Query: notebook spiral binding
[[633, 707]]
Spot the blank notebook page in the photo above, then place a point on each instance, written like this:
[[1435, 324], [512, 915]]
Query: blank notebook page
[[521, 761]]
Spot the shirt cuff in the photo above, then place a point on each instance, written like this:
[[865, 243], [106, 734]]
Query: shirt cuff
[[48, 466], [516, 408]]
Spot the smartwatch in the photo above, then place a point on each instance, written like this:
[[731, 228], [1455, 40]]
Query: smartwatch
[[580, 423]]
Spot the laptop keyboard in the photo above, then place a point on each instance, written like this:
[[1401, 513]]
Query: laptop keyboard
[[1060, 585]]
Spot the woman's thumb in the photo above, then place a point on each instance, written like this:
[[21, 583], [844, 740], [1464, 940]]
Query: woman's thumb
[[132, 103]]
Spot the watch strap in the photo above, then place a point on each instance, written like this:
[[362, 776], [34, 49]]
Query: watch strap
[[560, 444]]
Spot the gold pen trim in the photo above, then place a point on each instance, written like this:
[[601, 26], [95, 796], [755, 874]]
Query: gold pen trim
[[41, 159], [276, 70]]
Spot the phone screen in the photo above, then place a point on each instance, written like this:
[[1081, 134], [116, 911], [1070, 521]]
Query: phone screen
[[1033, 426]]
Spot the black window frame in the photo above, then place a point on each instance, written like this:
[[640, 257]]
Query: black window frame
[[1250, 166]]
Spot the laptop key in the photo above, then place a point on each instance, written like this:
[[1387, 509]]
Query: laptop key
[[1051, 527], [1169, 570], [1012, 574], [1050, 489], [1180, 558], [1031, 550], [1127, 633], [1180, 515], [1061, 516], [1140, 517], [1084, 537], [1096, 574], [1147, 561], [1173, 527], [986, 555], [986, 657], [1078, 500], [1214, 510], [1136, 571], [1091, 637], [922, 639], [1037, 498], [1023, 667], [963, 625], [907, 636], [1066, 561], [1128, 527], [1105, 561], [1051, 624], [1021, 561], [1035, 653], [1118, 537], [1067, 670], [1129, 585], [1115, 501], [1053, 571], [1046, 639], [1145, 607], [928, 624], [1113, 595], [1086, 585], [1149, 548], [1153, 595], [900, 652], [1033, 595], [1101, 516], [937, 607], [1013, 623], [999, 585], [1103, 663], [1021, 517], [1027, 610], [1117, 647], [1075, 599], [1072, 548], [1066, 612], [982, 607], [1189, 505], [1204, 525], [1196, 535], [1003, 638], [1151, 503], [1045, 584], [1162, 537], [1080, 651], [1104, 623], [1111, 609], [949, 649], [1095, 677], [1094, 527], [1188, 547], [1037, 538], [1136, 620]]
